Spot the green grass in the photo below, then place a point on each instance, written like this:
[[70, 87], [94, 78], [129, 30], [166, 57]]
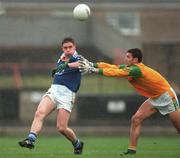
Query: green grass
[[95, 147]]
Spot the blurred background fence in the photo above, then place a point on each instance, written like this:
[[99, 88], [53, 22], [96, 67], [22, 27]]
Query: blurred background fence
[[30, 35]]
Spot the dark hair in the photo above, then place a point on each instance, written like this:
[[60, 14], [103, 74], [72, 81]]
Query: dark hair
[[68, 39], [136, 53]]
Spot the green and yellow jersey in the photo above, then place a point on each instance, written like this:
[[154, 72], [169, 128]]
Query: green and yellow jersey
[[146, 81]]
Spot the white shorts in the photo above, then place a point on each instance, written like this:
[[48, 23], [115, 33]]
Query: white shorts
[[61, 96], [165, 103]]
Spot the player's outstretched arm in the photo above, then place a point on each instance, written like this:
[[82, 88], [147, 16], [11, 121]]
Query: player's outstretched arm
[[103, 65], [113, 71], [101, 68]]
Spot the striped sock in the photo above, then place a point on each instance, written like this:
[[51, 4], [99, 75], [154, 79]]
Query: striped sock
[[76, 143], [32, 137]]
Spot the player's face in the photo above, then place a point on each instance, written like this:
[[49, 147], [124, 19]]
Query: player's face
[[68, 48], [129, 60]]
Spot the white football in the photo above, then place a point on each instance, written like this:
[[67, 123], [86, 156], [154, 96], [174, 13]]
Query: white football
[[81, 12]]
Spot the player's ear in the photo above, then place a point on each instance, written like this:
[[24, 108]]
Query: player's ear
[[136, 60]]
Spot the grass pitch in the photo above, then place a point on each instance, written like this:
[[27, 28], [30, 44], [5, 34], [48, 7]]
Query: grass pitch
[[95, 147]]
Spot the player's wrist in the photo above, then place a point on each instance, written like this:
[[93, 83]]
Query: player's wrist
[[95, 65], [62, 66], [122, 66], [66, 65], [100, 71]]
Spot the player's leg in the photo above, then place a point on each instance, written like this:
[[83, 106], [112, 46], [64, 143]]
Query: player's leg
[[62, 126], [145, 111], [175, 119], [45, 107], [175, 116]]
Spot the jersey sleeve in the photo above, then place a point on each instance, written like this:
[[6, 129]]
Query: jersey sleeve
[[114, 72], [105, 65], [132, 71]]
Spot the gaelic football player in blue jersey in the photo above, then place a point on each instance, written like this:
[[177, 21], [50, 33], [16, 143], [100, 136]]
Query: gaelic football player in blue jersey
[[60, 97]]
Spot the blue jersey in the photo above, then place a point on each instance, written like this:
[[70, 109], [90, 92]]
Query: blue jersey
[[69, 77]]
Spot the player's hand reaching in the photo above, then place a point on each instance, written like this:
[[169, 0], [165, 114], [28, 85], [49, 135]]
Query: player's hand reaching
[[83, 59], [86, 66]]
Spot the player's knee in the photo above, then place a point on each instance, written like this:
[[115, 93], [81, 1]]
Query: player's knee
[[39, 114], [136, 119], [61, 129]]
